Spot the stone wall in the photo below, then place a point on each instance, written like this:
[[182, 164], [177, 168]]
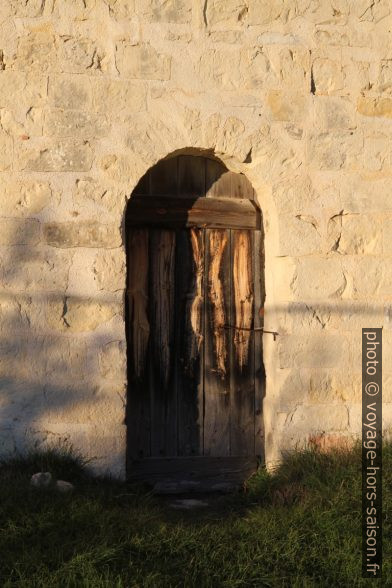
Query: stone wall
[[296, 94]]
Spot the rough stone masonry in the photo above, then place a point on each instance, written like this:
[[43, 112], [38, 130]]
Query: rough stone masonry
[[296, 94]]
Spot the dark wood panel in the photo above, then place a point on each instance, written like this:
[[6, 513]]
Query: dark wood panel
[[217, 344], [164, 178], [241, 186], [138, 405], [202, 212], [143, 186], [242, 359], [189, 310], [198, 474], [162, 390], [218, 180], [191, 176], [259, 286]]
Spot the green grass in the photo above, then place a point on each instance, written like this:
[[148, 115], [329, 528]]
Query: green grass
[[300, 527]]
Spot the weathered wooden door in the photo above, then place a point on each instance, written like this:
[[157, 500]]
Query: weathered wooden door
[[195, 295]]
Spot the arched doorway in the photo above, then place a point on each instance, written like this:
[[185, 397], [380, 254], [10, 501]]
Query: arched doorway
[[195, 295]]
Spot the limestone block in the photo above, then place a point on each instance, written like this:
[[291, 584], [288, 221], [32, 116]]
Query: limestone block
[[70, 92], [285, 269], [349, 315], [333, 418], [22, 125], [121, 9], [375, 106], [119, 97], [83, 404], [295, 194], [6, 152], [333, 386], [110, 270], [29, 269], [56, 360], [19, 232], [288, 106], [219, 68], [226, 13], [299, 316], [292, 388], [15, 312], [73, 9], [299, 235], [263, 13], [65, 155], [177, 11], [113, 361], [293, 65], [90, 196], [355, 234], [325, 13], [229, 137], [384, 82], [386, 280], [82, 234], [77, 315], [366, 195], [24, 198], [377, 152], [22, 89], [81, 55], [142, 62], [27, 8], [255, 68], [335, 150], [36, 52], [328, 76], [75, 123], [313, 351], [317, 278], [12, 355], [367, 274], [334, 113], [335, 36], [387, 235]]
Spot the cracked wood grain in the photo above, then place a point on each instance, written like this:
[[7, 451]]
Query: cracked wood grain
[[217, 244], [243, 295]]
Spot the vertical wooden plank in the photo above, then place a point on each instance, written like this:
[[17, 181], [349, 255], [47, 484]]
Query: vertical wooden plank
[[162, 390], [164, 178], [259, 281], [191, 176], [138, 335], [242, 386], [218, 179], [217, 350], [241, 187], [189, 340]]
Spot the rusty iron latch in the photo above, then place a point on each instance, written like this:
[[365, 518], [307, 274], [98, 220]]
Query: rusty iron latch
[[260, 329]]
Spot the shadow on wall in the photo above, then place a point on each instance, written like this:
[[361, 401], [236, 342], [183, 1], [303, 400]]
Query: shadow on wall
[[57, 385]]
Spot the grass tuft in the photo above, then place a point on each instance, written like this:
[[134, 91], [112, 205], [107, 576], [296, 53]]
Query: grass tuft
[[299, 526]]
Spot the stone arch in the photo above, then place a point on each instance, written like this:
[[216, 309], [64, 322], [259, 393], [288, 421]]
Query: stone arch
[[270, 162]]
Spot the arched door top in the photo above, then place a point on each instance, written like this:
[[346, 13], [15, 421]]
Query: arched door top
[[189, 191]]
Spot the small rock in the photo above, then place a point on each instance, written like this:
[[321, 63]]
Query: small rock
[[64, 487], [188, 503], [41, 480]]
